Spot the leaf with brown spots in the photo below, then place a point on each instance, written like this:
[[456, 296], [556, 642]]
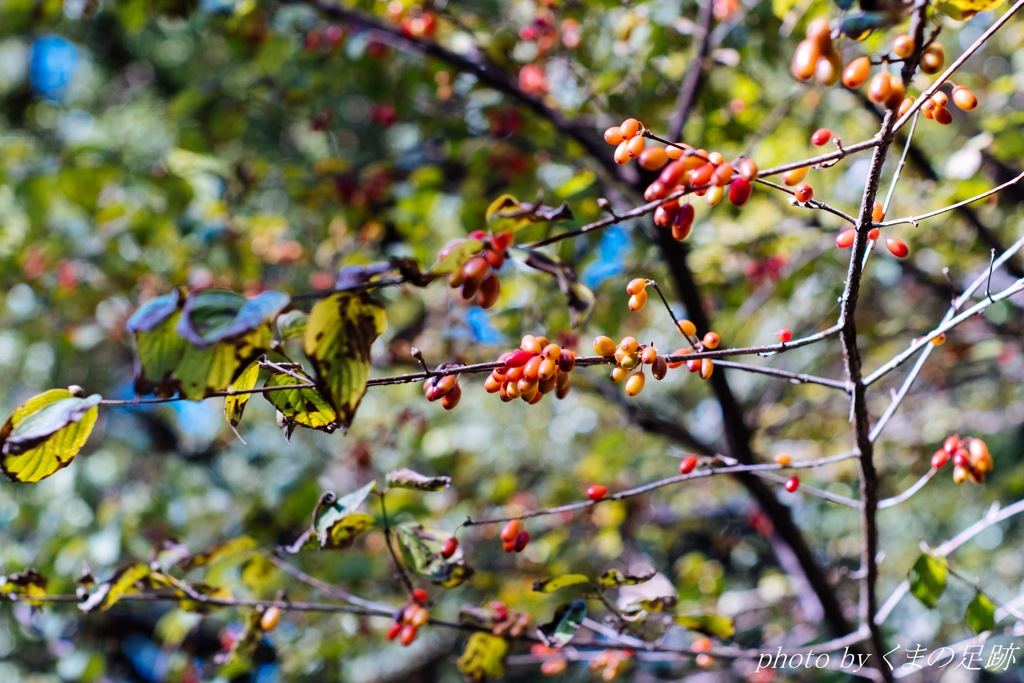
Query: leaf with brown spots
[[306, 407], [340, 331]]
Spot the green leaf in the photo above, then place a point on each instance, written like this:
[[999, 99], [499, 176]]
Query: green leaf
[[331, 510], [980, 614], [343, 533], [506, 213], [120, 584], [613, 577], [257, 572], [928, 578], [421, 549], [553, 584], [339, 334], [306, 407], [577, 183], [45, 434], [454, 255], [581, 299], [211, 316], [234, 406], [563, 626], [661, 604], [236, 549], [158, 347], [405, 478], [968, 8], [708, 624], [202, 372], [292, 324], [483, 657]]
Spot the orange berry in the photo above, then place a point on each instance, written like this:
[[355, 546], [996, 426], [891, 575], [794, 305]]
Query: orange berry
[[782, 459], [270, 619], [857, 72], [612, 136], [408, 634], [873, 234], [805, 59], [880, 87], [716, 159], [603, 346], [951, 444], [621, 155], [939, 340], [687, 328], [636, 285], [820, 32], [940, 99], [707, 366], [943, 116], [451, 399], [748, 169], [905, 105], [688, 464], [637, 301], [675, 152], [877, 212], [635, 384], [530, 344], [903, 46], [898, 248], [678, 352], [821, 137], [597, 492], [896, 94], [722, 175], [844, 240], [635, 146], [933, 58], [629, 128], [618, 373], [552, 352], [828, 69], [648, 355], [629, 344], [702, 176], [711, 340], [548, 369], [492, 385], [795, 176], [714, 195], [659, 368], [783, 335], [653, 158], [964, 98], [510, 530]]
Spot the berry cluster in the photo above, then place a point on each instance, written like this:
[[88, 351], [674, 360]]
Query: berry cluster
[[478, 274], [707, 174], [508, 622], [445, 388], [410, 619], [705, 366], [514, 539], [897, 247], [630, 356], [609, 663], [537, 368], [816, 57], [970, 458]]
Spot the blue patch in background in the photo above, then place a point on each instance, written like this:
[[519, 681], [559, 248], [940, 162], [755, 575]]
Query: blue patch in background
[[609, 261], [54, 62]]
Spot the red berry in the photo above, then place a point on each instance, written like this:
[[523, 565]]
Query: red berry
[[688, 464], [784, 335], [521, 541], [597, 492], [394, 630], [821, 137], [500, 610], [803, 192], [961, 457], [739, 191], [517, 358], [477, 235], [951, 444], [898, 248], [408, 634], [939, 459], [421, 596], [844, 240], [449, 547], [502, 240], [792, 484]]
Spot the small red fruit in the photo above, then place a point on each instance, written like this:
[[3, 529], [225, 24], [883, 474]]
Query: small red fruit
[[517, 358], [951, 444], [597, 492], [739, 191], [784, 335], [803, 193], [408, 634], [939, 459], [394, 630], [792, 484], [898, 248], [522, 540], [502, 240], [500, 610], [961, 457], [689, 464], [511, 530], [821, 137], [844, 240], [421, 596], [449, 547]]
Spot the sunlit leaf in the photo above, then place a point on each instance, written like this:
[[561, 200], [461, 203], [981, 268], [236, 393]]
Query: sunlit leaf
[[339, 334], [120, 584], [45, 434], [306, 407], [343, 533], [331, 510], [506, 213], [234, 406], [928, 578], [613, 577], [558, 582], [981, 614], [158, 347], [27, 584], [483, 657], [235, 549], [257, 572], [406, 478], [421, 549], [662, 604], [708, 624], [563, 626]]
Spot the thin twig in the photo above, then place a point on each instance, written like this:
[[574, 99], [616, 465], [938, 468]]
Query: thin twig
[[915, 219], [812, 204]]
